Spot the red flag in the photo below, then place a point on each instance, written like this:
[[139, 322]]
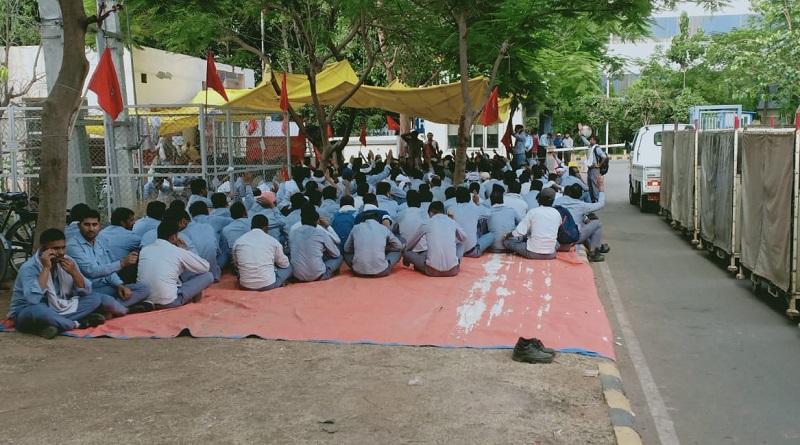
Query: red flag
[[252, 126], [105, 84], [284, 95], [330, 131], [391, 123], [507, 136], [212, 78], [491, 111], [363, 137], [285, 173]]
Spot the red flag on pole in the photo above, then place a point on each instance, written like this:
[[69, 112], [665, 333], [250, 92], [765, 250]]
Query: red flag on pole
[[491, 111], [507, 136], [212, 78], [105, 84], [330, 131], [363, 137], [284, 95], [391, 123], [252, 126]]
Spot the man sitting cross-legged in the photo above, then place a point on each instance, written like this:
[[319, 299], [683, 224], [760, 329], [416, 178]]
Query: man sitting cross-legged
[[50, 294], [468, 213], [162, 263], [314, 254], [536, 236], [445, 248], [259, 258], [94, 261], [121, 241], [372, 250]]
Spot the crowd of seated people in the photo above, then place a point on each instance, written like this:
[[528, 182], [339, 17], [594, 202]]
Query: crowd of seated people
[[370, 213]]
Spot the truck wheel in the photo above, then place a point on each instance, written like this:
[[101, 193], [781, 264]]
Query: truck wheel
[[644, 204], [633, 198]]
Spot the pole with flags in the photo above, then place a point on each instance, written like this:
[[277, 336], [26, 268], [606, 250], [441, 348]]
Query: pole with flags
[[284, 104], [212, 81]]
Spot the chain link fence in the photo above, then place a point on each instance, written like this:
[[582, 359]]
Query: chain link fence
[[110, 164]]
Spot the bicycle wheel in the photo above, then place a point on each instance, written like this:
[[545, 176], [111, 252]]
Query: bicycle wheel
[[21, 236], [5, 247]]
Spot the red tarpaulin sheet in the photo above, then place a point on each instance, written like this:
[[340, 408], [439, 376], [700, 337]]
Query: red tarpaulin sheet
[[493, 301]]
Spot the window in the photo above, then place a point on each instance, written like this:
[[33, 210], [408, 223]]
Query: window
[[664, 27], [477, 136], [144, 77], [492, 140], [452, 137], [657, 138]]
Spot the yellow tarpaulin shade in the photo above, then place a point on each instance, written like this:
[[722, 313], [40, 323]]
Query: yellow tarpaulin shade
[[440, 103]]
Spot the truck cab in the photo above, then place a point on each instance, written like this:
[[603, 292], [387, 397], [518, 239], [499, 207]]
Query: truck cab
[[644, 170]]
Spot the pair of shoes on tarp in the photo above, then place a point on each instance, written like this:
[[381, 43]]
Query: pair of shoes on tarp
[[532, 350]]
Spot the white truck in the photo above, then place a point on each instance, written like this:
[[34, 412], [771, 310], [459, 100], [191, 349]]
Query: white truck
[[644, 170]]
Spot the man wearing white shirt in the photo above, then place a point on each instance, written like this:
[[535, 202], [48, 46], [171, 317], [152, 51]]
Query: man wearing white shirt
[[595, 158], [260, 259], [536, 236], [162, 263]]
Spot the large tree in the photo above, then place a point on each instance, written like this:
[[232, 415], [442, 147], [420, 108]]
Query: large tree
[[61, 105]]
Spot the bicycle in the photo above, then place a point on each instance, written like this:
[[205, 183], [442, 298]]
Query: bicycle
[[19, 225]]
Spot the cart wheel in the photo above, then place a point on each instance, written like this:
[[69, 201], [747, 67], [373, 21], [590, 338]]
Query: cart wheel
[[696, 242], [740, 276], [732, 268]]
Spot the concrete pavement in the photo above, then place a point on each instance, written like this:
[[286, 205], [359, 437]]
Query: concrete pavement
[[704, 360]]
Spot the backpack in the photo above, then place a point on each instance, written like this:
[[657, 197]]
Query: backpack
[[604, 165], [568, 231]]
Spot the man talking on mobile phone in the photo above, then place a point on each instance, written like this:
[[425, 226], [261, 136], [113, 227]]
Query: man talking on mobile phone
[[50, 294]]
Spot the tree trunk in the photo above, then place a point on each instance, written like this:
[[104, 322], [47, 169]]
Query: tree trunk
[[467, 114], [461, 150], [64, 100]]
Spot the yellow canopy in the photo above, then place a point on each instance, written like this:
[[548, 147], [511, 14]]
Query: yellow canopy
[[440, 103]]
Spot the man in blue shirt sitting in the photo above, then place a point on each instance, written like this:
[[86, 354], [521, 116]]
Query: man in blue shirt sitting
[[50, 294]]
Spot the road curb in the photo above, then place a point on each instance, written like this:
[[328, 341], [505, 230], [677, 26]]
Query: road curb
[[581, 252], [619, 407]]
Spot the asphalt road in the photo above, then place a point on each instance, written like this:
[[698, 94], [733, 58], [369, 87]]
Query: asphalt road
[[725, 362]]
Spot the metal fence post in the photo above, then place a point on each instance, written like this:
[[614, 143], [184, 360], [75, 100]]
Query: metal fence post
[[203, 141], [230, 139], [13, 147]]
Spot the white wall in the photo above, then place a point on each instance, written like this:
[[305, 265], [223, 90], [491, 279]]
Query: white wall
[[181, 76]]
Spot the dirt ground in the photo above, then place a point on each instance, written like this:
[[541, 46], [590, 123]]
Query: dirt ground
[[242, 391]]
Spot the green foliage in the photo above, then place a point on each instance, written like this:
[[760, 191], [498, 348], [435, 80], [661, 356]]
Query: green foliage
[[762, 60], [20, 26]]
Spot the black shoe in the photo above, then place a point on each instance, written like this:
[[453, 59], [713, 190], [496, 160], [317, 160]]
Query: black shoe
[[605, 248], [48, 332], [528, 354], [91, 321], [141, 307], [596, 257], [536, 343]]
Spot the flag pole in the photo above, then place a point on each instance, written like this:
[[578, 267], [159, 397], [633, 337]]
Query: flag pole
[[288, 145]]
